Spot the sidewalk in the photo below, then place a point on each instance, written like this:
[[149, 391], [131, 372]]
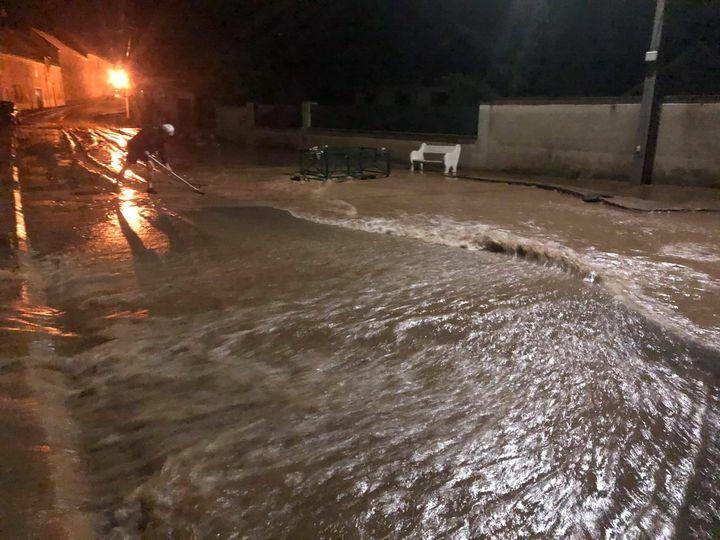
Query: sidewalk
[[37, 479], [26, 505], [642, 198]]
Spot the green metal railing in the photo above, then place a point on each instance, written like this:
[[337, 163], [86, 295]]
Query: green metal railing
[[326, 163]]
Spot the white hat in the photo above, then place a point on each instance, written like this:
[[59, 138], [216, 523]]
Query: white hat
[[168, 129]]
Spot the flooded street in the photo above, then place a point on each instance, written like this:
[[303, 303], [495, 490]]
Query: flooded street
[[413, 357]]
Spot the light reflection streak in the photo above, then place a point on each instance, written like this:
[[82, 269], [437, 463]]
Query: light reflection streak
[[31, 327], [26, 311], [130, 211], [117, 159], [20, 228], [137, 315], [115, 138], [132, 215], [109, 238]]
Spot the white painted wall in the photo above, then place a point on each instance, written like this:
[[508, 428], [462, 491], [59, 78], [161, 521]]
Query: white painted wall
[[557, 139]]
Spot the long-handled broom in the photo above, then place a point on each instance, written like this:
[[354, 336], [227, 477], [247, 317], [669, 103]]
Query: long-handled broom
[[176, 176]]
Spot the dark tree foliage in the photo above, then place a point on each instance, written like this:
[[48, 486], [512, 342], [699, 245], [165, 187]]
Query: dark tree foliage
[[288, 50]]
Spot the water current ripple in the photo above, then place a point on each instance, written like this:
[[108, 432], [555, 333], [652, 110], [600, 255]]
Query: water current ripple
[[316, 381]]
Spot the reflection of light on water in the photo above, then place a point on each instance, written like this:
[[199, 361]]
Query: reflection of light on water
[[32, 318], [126, 226], [20, 229], [124, 229], [133, 216], [23, 325], [127, 194], [128, 131], [137, 315], [130, 210], [117, 156], [119, 140], [29, 318]]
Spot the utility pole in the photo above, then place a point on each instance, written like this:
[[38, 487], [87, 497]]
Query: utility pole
[[647, 133], [121, 26], [124, 54]]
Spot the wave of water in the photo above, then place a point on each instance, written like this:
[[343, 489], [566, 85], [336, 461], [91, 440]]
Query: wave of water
[[651, 287]]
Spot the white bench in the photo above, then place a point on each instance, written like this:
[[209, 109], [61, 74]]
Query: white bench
[[450, 156]]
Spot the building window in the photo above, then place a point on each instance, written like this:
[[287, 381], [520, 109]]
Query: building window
[[439, 98], [39, 99]]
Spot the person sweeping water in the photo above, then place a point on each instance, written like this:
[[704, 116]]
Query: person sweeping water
[[148, 147]]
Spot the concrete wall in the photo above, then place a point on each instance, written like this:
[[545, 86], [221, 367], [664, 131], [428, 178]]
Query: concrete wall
[[688, 150], [557, 139], [553, 139], [231, 121], [30, 84]]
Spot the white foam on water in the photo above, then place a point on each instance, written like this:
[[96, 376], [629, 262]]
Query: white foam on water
[[692, 252], [648, 286]]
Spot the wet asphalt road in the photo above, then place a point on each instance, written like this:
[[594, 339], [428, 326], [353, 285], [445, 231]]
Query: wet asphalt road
[[53, 192]]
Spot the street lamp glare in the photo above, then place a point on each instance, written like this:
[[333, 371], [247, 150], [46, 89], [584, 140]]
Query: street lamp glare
[[119, 79]]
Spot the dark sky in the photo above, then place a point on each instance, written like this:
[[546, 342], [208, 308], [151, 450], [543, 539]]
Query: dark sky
[[287, 50]]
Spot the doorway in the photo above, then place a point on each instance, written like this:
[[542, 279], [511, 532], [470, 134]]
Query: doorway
[[39, 101]]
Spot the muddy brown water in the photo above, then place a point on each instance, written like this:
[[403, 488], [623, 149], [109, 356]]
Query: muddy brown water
[[236, 371], [302, 380]]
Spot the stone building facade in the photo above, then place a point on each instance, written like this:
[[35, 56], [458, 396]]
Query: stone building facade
[[39, 70], [30, 73], [85, 75]]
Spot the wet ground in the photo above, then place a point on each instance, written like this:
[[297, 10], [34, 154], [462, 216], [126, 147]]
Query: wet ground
[[666, 264], [410, 357]]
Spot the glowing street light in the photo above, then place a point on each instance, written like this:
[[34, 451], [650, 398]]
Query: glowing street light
[[119, 79]]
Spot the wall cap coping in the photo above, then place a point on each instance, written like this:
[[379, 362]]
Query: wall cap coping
[[711, 98], [620, 100], [403, 135]]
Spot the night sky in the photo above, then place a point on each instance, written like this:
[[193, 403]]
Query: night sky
[[290, 50]]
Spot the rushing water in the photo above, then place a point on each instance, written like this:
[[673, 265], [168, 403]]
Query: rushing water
[[256, 375]]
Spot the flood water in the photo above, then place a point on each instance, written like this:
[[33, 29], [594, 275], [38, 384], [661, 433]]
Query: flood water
[[262, 376], [349, 371]]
